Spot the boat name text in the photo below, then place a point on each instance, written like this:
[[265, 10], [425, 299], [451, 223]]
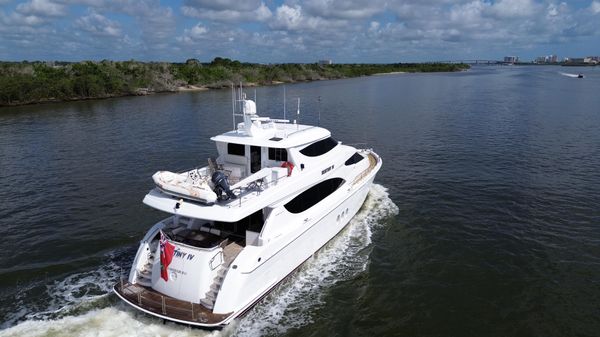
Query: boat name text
[[327, 169], [181, 254]]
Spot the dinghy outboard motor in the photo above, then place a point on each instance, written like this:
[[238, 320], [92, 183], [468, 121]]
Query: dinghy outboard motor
[[221, 185]]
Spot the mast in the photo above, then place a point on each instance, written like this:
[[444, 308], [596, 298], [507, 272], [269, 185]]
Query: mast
[[298, 115]]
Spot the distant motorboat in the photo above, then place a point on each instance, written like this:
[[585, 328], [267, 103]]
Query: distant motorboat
[[573, 75]]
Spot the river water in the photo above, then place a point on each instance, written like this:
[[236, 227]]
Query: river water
[[484, 220]]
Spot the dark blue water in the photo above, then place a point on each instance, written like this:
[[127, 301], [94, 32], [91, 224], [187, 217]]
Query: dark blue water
[[484, 220]]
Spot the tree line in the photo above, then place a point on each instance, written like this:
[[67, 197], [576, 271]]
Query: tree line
[[34, 82]]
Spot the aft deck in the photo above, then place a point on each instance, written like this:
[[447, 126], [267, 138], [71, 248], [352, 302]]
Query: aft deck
[[164, 306]]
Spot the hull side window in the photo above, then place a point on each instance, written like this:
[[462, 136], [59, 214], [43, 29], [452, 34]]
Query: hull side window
[[313, 195]]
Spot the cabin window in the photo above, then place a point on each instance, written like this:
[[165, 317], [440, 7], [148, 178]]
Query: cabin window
[[354, 159], [236, 149], [236, 231], [313, 195], [278, 154], [319, 148]]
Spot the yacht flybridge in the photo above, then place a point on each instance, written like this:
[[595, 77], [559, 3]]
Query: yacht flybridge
[[276, 193]]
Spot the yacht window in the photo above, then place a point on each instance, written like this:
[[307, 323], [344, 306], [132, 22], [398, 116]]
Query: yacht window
[[319, 148], [354, 159], [313, 195], [278, 154], [236, 149], [236, 231]]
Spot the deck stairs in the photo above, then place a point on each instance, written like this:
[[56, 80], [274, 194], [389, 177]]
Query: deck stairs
[[144, 274], [230, 252]]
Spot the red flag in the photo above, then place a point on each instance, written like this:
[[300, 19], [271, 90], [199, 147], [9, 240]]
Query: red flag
[[166, 256]]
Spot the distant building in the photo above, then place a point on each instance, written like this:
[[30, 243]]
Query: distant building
[[546, 59], [511, 59], [578, 60], [325, 62], [589, 60]]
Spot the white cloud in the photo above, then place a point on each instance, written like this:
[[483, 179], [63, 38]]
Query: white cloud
[[98, 25], [294, 18], [41, 8], [227, 11], [595, 7], [343, 9], [288, 17], [515, 8], [374, 26], [193, 34], [220, 5]]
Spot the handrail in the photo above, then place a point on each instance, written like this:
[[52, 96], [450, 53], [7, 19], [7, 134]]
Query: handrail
[[250, 188], [210, 263], [372, 163], [158, 304]]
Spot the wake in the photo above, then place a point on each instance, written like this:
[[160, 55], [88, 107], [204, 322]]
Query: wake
[[569, 75], [289, 306]]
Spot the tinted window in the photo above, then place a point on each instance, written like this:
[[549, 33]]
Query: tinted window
[[252, 222], [236, 149], [354, 159], [278, 154], [313, 195], [319, 148]]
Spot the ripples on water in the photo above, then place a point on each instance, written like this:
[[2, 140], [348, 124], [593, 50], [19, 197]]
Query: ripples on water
[[493, 175]]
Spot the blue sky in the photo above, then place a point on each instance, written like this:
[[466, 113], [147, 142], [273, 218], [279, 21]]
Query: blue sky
[[269, 31]]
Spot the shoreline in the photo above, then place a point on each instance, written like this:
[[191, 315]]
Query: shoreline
[[390, 73], [180, 89], [58, 85]]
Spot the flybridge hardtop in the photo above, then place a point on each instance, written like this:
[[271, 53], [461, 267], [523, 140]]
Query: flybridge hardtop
[[276, 135], [276, 192]]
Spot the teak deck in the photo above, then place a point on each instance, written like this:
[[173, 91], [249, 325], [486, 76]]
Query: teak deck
[[163, 305]]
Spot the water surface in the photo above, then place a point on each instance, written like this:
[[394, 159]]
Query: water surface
[[484, 220]]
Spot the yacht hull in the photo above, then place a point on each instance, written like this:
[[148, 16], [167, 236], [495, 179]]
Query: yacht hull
[[244, 288]]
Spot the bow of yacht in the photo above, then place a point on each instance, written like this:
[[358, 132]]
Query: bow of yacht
[[276, 193]]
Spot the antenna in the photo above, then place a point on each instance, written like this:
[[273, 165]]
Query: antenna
[[284, 102], [298, 115], [233, 104], [319, 110]]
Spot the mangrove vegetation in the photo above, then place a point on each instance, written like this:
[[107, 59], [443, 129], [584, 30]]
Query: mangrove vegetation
[[35, 82]]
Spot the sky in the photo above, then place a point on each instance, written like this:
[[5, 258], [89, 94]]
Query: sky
[[284, 31]]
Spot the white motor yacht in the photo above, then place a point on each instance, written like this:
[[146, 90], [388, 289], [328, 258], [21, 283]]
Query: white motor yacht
[[277, 192]]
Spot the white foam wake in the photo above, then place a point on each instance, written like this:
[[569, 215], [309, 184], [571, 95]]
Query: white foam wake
[[342, 259], [289, 306], [74, 294], [111, 321], [569, 75]]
